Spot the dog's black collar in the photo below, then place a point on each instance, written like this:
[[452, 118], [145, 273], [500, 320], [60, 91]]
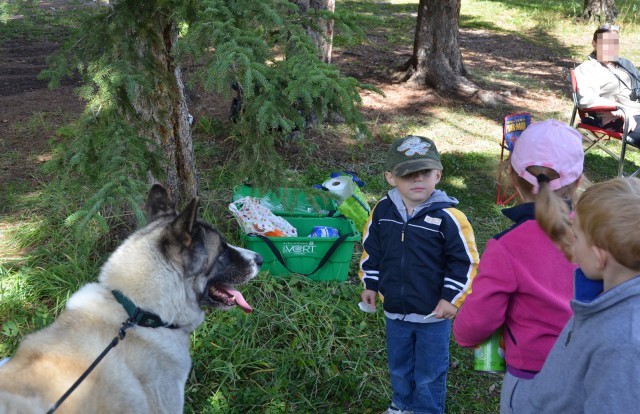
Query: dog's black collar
[[141, 317]]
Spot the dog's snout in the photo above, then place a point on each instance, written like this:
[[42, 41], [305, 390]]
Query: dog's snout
[[258, 259]]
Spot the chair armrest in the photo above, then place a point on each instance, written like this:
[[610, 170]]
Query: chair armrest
[[625, 127], [600, 108]]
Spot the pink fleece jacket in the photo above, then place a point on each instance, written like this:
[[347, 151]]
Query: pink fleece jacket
[[525, 283]]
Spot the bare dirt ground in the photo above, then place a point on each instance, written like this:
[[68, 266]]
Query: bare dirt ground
[[22, 96], [24, 99]]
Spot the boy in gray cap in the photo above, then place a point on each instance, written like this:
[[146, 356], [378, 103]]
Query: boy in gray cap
[[420, 256]]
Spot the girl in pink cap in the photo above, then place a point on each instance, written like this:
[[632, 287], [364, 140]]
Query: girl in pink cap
[[524, 281]]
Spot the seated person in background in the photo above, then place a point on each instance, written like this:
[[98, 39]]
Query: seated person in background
[[606, 79]]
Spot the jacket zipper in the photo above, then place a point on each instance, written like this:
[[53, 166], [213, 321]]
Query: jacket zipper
[[570, 332], [513, 338], [402, 265]]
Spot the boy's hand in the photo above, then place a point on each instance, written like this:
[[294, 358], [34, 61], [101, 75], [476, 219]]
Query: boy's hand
[[369, 297], [445, 310]]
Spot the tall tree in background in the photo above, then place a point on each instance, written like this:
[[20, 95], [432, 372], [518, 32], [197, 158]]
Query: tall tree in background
[[600, 10], [436, 60], [321, 32], [136, 128], [160, 108]]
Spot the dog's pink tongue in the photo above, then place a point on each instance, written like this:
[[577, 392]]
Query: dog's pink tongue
[[240, 300]]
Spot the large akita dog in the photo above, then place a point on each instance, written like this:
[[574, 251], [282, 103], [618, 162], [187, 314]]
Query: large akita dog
[[166, 270]]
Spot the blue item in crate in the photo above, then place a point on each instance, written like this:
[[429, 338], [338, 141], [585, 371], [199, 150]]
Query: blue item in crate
[[324, 231]]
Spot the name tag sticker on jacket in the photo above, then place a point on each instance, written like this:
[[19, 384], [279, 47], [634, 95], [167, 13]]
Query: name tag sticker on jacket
[[433, 220]]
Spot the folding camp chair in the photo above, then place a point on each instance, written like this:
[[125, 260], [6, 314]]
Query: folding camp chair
[[595, 135], [512, 127]]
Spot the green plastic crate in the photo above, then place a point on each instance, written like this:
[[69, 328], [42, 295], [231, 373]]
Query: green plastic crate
[[285, 201], [303, 254]]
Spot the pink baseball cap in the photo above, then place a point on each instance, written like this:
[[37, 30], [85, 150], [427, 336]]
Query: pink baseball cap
[[552, 144]]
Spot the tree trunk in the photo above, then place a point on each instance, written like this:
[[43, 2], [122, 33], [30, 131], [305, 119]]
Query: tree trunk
[[436, 61], [436, 54], [163, 109], [323, 38], [604, 11]]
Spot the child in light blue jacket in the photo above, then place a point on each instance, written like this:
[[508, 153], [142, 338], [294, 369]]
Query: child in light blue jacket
[[593, 366]]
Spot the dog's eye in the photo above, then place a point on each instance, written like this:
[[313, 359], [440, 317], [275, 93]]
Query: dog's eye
[[223, 257]]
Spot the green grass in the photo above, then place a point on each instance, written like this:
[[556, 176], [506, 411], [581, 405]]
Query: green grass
[[300, 351], [551, 23], [33, 20], [306, 348]]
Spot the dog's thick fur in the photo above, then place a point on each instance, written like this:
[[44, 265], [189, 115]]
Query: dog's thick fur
[[170, 267]]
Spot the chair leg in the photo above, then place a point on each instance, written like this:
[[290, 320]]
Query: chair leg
[[592, 142], [622, 154]]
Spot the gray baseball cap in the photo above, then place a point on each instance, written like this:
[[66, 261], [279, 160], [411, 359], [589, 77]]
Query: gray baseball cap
[[412, 153]]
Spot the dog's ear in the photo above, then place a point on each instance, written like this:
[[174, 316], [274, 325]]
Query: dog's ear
[[183, 224], [158, 203]]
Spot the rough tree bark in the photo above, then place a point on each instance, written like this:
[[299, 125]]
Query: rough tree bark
[[163, 109], [323, 38], [600, 10], [436, 60]]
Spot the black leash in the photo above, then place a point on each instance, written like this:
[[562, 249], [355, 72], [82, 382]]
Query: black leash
[[138, 317], [121, 334]]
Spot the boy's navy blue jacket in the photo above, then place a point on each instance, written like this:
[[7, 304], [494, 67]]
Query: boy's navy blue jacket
[[416, 262]]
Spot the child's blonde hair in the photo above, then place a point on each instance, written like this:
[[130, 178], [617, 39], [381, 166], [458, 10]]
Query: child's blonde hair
[[609, 216]]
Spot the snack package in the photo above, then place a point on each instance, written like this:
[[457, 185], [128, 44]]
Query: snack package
[[254, 217]]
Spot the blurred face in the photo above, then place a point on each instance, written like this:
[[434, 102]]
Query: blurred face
[[415, 188], [584, 253], [607, 46]]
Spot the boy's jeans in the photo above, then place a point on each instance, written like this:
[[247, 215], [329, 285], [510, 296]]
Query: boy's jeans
[[418, 356]]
